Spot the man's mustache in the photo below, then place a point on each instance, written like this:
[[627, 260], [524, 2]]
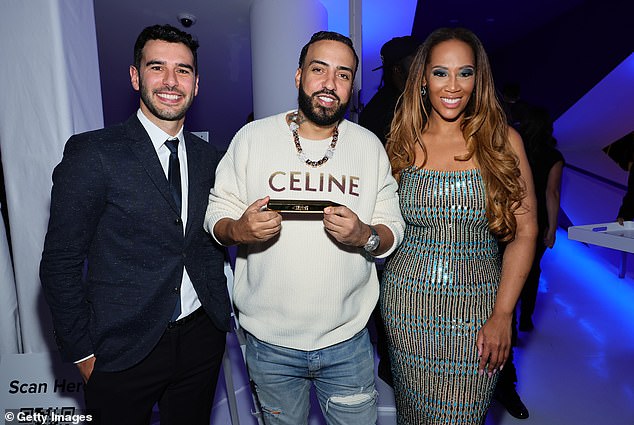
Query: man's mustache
[[328, 92]]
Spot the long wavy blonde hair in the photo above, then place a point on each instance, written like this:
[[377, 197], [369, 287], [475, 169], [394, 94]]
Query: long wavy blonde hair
[[483, 125]]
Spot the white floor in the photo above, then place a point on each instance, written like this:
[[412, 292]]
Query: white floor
[[575, 368]]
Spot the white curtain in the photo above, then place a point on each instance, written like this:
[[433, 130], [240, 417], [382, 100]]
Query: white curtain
[[10, 341], [51, 90]]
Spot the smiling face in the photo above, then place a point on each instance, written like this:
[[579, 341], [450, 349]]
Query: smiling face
[[166, 81], [450, 79], [325, 82]]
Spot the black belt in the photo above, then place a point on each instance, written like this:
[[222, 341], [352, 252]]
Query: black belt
[[180, 322]]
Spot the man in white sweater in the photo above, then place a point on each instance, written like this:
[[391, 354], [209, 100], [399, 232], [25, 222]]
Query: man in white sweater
[[305, 282]]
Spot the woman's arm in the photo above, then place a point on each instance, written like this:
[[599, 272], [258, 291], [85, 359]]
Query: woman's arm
[[494, 339]]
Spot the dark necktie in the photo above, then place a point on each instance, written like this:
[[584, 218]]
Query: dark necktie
[[174, 179], [174, 172]]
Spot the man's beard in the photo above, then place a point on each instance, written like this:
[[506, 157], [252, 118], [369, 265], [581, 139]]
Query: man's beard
[[167, 115], [318, 114]]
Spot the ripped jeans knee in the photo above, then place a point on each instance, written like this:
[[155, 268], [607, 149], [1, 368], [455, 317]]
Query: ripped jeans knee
[[358, 407]]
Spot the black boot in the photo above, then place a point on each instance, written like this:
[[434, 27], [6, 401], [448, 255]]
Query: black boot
[[511, 401]]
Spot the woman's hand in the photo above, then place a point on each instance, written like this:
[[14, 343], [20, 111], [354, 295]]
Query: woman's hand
[[494, 343]]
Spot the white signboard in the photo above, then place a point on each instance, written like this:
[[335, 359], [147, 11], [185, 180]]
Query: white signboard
[[41, 389]]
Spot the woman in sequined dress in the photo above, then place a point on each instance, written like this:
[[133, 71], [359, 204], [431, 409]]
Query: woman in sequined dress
[[447, 295]]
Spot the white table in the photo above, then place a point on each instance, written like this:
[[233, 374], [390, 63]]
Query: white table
[[610, 235]]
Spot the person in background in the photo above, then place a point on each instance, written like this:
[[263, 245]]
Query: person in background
[[135, 285], [515, 108], [626, 210], [396, 57], [305, 283], [447, 296], [547, 165]]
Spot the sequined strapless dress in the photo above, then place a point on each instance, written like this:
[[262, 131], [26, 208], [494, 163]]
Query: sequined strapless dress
[[438, 289]]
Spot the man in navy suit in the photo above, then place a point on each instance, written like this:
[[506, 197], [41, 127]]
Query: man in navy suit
[[136, 287]]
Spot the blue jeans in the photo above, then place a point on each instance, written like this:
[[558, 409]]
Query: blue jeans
[[343, 375]]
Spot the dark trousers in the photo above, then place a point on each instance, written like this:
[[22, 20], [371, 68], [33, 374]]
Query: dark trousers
[[180, 374], [526, 306], [508, 374], [531, 286]]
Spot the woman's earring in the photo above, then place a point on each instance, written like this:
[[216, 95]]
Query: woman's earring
[[423, 91]]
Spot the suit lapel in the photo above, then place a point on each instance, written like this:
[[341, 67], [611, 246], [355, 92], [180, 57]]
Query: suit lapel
[[141, 145], [195, 175]]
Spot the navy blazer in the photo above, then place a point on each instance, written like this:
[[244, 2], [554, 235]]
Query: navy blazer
[[114, 252]]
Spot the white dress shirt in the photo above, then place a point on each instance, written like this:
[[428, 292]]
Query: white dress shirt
[[189, 298]]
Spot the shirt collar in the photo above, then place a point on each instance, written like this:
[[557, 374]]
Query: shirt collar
[[157, 135]]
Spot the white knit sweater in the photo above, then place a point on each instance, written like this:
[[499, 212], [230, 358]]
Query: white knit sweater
[[303, 290]]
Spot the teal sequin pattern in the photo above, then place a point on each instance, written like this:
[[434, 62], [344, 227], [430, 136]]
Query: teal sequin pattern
[[438, 289]]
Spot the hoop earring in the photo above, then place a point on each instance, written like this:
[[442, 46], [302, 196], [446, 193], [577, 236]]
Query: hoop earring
[[423, 91]]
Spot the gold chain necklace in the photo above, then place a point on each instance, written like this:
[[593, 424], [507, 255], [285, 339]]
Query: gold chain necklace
[[300, 152]]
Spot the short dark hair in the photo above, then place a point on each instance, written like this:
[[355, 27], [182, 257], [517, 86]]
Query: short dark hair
[[329, 35], [164, 33]]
